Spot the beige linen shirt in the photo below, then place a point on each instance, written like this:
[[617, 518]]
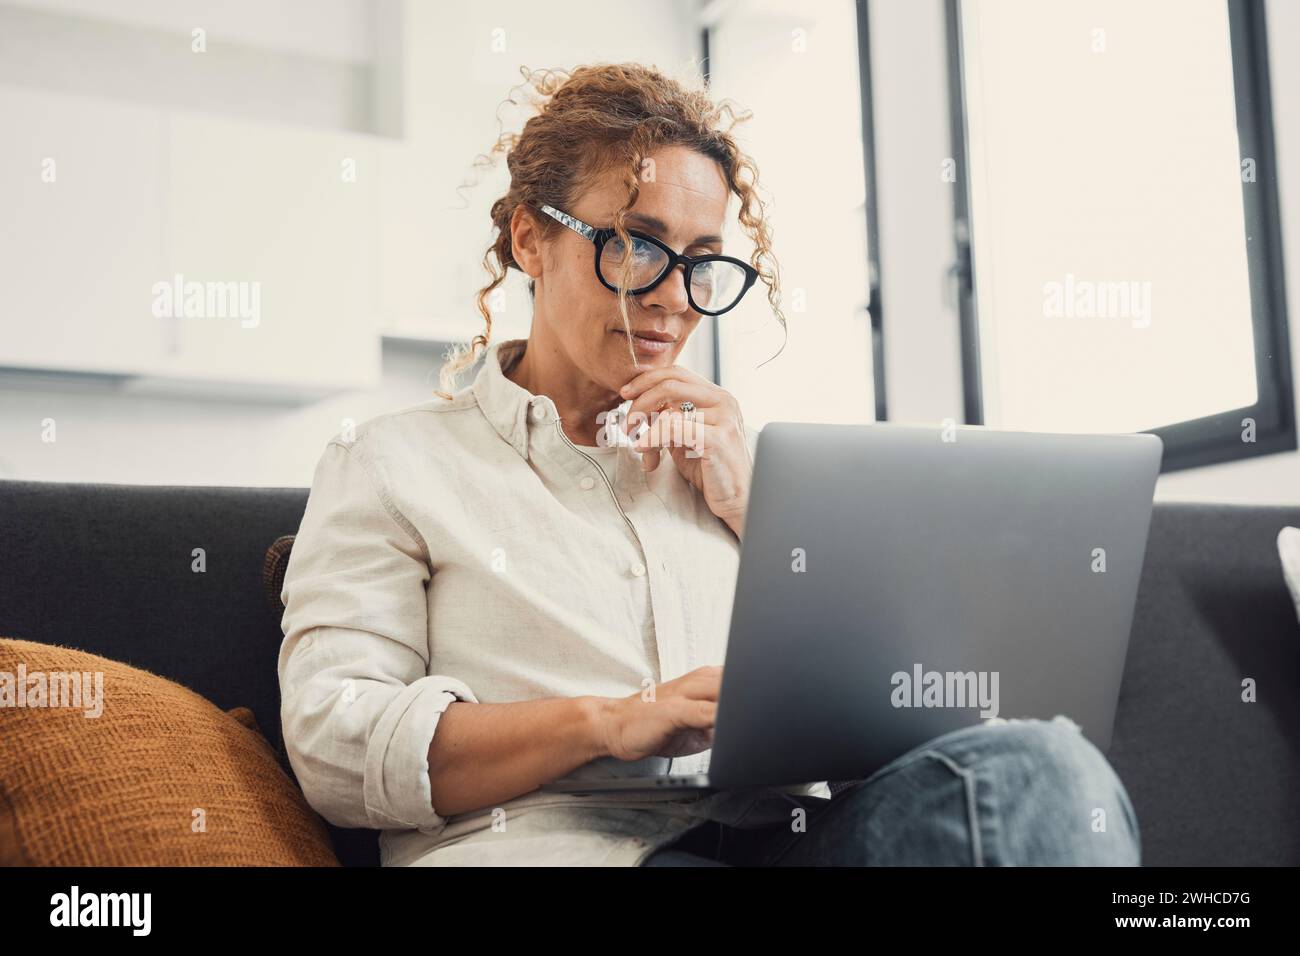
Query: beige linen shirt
[[467, 550]]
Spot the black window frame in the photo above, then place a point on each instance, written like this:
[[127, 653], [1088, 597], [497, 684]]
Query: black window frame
[[1216, 438]]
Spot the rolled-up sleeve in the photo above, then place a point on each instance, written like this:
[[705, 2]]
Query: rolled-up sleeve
[[359, 705]]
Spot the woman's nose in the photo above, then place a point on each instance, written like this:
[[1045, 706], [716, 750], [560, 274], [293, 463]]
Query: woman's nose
[[670, 294]]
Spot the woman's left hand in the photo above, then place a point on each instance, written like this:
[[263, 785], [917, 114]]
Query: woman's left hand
[[711, 452]]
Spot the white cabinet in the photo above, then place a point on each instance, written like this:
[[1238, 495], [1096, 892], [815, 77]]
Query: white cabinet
[[272, 243], [81, 237], [287, 220]]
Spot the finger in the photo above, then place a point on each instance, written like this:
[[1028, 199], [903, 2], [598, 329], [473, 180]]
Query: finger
[[652, 376], [681, 456], [702, 683], [671, 430], [673, 392], [700, 714], [691, 740]]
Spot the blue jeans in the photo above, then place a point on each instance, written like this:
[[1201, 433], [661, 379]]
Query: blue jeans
[[1019, 793]]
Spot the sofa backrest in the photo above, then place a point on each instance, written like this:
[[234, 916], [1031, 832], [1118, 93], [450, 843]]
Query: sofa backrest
[[1214, 780]]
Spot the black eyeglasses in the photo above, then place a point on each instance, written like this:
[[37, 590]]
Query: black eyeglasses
[[714, 284]]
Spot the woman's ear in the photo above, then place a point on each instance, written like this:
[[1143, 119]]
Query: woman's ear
[[526, 242]]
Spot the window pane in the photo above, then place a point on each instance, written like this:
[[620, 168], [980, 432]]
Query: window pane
[[778, 59], [1108, 231]]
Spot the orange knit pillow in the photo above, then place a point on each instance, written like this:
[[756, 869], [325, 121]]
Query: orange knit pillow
[[161, 777]]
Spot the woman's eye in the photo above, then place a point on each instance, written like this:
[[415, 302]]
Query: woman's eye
[[642, 250]]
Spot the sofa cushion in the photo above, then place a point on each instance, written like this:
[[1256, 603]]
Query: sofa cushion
[[104, 764], [273, 567]]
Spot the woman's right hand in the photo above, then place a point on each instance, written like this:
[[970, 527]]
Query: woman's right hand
[[678, 721]]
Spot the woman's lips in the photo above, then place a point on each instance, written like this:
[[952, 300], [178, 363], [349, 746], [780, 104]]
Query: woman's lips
[[648, 346]]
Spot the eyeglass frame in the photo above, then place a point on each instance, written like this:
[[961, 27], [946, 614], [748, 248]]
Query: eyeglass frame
[[601, 236]]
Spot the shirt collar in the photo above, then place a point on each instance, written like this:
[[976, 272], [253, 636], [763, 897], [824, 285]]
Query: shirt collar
[[511, 408], [506, 404]]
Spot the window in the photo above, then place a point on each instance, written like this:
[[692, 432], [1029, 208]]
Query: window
[[1120, 205], [782, 59]]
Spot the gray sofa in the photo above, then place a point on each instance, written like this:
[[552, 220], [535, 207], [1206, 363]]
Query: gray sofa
[[1215, 781]]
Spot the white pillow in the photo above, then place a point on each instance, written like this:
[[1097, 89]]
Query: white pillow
[[1288, 548]]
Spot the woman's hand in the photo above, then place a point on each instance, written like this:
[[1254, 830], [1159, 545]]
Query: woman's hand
[[676, 722], [711, 452]]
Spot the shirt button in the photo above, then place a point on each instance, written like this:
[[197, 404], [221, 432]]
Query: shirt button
[[588, 483], [539, 412], [638, 569]]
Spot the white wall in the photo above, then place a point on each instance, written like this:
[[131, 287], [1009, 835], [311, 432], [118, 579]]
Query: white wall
[[105, 433], [332, 29], [308, 62]]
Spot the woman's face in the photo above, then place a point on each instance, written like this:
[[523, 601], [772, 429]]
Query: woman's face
[[682, 201]]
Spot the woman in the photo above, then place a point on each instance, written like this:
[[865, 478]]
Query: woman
[[507, 584]]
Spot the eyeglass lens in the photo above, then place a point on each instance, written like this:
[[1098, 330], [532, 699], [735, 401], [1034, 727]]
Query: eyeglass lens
[[715, 284]]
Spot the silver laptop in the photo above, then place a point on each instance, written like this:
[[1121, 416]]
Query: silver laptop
[[899, 582]]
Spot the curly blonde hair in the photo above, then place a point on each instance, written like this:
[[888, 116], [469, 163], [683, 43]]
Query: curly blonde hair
[[603, 117]]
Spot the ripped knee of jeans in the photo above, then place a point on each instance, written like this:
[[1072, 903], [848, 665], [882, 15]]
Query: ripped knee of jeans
[[1058, 719], [1062, 719]]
